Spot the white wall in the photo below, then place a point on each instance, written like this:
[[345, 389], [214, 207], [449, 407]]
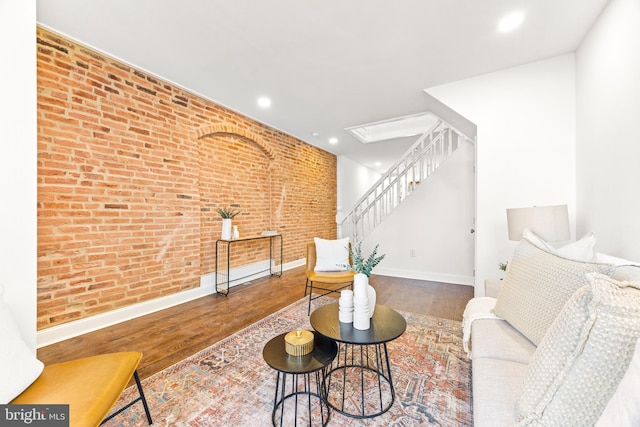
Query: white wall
[[525, 117], [18, 163], [354, 180], [428, 236], [608, 130]]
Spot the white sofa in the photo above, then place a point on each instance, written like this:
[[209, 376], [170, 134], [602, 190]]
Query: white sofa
[[500, 356], [519, 383]]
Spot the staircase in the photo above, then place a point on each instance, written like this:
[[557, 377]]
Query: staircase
[[418, 162]]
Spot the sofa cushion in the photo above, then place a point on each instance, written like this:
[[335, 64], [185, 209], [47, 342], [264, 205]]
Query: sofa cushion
[[536, 286], [623, 409], [18, 365], [331, 255], [582, 358], [496, 339], [496, 387]]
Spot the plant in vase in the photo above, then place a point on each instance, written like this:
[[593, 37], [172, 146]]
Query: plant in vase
[[363, 266], [503, 266], [227, 215]]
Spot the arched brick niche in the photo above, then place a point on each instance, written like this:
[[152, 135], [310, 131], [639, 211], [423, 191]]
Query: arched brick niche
[[222, 129], [235, 170]]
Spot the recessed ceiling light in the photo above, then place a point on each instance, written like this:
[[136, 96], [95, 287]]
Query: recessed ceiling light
[[315, 134], [333, 141], [264, 102], [378, 164], [511, 21]]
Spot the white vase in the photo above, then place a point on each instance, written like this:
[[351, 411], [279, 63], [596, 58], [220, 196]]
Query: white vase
[[363, 292], [361, 321], [361, 301], [360, 283], [226, 229], [372, 299]]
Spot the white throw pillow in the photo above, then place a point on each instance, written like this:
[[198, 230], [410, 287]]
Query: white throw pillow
[[581, 360], [18, 365], [608, 259], [331, 255], [626, 270], [580, 250], [536, 286], [623, 409], [627, 273]]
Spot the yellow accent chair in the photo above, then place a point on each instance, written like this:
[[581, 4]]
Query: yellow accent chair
[[344, 277], [90, 386]]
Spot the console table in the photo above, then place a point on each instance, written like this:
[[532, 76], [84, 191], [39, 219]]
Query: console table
[[223, 252]]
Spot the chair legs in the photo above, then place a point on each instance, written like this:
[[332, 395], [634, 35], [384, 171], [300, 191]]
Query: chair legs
[[305, 287], [141, 397], [309, 285]]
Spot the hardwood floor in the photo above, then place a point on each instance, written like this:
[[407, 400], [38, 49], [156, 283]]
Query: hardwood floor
[[170, 335]]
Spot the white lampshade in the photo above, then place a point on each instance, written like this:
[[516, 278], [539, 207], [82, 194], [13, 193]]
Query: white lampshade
[[550, 223]]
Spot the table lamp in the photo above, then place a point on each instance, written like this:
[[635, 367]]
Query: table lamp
[[550, 223]]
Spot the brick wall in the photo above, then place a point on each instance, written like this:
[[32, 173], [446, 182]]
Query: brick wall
[[130, 172]]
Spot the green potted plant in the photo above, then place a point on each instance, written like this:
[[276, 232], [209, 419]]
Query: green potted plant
[[227, 215], [503, 266], [363, 265]]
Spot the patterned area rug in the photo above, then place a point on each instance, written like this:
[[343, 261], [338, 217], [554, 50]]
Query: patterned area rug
[[229, 384]]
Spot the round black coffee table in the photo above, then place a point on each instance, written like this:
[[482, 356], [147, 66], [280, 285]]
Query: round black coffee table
[[359, 382], [307, 404]]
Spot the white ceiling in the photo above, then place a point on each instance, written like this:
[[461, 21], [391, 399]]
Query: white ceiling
[[326, 65]]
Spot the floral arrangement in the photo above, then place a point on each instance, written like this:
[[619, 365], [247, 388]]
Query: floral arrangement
[[363, 265]]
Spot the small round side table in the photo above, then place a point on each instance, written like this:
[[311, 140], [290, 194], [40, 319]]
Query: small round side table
[[305, 399]]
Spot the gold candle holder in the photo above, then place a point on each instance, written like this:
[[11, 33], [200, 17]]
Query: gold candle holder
[[299, 342]]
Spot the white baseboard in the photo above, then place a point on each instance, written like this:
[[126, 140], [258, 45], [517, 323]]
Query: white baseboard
[[430, 276], [238, 276], [207, 282]]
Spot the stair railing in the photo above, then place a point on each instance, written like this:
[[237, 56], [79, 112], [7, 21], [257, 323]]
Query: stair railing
[[430, 150]]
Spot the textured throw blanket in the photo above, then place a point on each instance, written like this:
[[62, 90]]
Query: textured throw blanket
[[477, 308]]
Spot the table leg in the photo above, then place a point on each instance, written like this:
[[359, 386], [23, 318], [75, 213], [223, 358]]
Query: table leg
[[359, 382], [317, 409]]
